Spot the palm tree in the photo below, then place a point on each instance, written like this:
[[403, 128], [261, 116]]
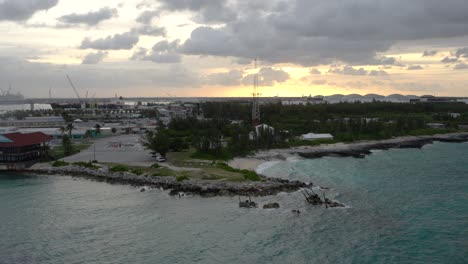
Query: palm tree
[[70, 128], [97, 127], [62, 130]]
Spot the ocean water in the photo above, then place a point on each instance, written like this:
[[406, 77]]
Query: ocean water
[[403, 206]]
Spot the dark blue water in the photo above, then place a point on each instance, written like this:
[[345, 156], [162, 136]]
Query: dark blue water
[[405, 206]]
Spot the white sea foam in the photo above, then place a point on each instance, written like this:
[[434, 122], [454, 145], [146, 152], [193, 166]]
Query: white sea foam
[[265, 166]]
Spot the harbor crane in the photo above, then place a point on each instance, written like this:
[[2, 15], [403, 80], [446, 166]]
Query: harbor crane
[[73, 86]]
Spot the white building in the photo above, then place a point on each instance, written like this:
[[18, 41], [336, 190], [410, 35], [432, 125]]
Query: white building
[[313, 136]]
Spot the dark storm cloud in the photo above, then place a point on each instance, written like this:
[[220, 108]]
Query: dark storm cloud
[[146, 17], [267, 77], [206, 11], [449, 60], [320, 32], [462, 52], [162, 52], [429, 53], [150, 30], [461, 66], [94, 58], [415, 68], [19, 10], [349, 70], [146, 26], [91, 18], [315, 72], [122, 41]]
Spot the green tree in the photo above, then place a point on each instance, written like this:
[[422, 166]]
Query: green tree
[[70, 128], [97, 128], [88, 133], [158, 142], [67, 145]]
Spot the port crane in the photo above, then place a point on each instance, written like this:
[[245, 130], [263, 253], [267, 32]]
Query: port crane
[[74, 89]]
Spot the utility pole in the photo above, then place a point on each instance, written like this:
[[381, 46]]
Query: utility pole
[[255, 97]]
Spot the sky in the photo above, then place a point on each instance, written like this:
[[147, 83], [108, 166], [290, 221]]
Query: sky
[[205, 48]]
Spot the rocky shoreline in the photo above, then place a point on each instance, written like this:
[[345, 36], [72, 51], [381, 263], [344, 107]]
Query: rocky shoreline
[[270, 186], [357, 149]]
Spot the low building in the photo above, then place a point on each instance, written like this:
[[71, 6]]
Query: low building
[[28, 122], [19, 151], [435, 125], [260, 130], [313, 136]]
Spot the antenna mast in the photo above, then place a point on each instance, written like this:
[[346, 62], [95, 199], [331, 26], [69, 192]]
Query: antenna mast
[[255, 97]]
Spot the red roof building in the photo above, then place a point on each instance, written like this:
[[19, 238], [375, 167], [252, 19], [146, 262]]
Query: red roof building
[[19, 150]]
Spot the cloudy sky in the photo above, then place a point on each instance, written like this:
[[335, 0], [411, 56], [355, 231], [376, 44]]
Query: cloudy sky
[[207, 47]]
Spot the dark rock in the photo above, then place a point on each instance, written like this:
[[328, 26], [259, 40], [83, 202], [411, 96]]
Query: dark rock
[[271, 206], [142, 190], [247, 204]]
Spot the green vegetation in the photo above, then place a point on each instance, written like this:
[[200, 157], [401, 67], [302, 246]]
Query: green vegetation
[[59, 151], [182, 178], [137, 171], [60, 163], [158, 142], [119, 168], [67, 146], [155, 166], [248, 174]]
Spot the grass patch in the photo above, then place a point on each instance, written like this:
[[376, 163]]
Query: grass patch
[[155, 166], [58, 153], [431, 131], [248, 174], [60, 163], [119, 168], [137, 171], [182, 178]]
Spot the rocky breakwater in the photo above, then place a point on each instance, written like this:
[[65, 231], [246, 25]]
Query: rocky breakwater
[[269, 186], [361, 149]]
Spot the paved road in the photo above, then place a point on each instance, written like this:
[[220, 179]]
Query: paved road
[[124, 149]]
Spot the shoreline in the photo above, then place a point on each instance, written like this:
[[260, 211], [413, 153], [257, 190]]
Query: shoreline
[[258, 162], [358, 149], [204, 188]]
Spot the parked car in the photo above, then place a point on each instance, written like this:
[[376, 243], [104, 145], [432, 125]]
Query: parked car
[[160, 159]]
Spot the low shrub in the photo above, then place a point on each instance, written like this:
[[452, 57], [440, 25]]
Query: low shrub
[[251, 175], [137, 171], [248, 174], [119, 168], [182, 178], [155, 166], [60, 163]]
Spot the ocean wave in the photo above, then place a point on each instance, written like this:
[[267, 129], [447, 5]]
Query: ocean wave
[[265, 166]]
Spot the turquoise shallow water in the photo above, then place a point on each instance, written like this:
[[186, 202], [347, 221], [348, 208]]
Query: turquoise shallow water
[[405, 206]]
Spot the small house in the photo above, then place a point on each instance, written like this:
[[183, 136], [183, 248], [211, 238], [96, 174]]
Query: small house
[[19, 151], [435, 125], [313, 136]]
